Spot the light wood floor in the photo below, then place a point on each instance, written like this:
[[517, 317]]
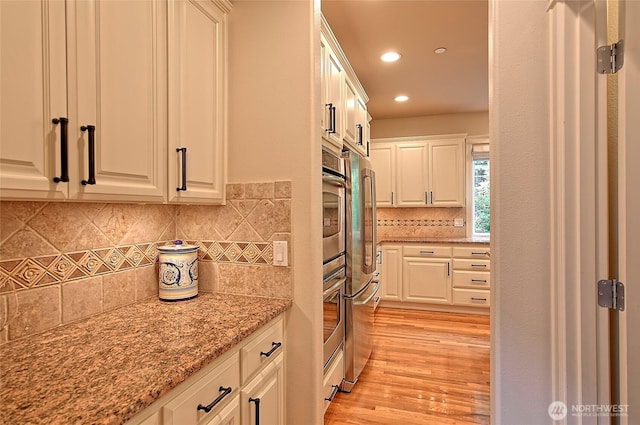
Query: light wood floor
[[426, 368]]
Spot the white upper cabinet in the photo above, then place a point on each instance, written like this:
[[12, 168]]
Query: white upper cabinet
[[446, 173], [197, 103], [422, 172], [383, 159], [118, 61], [332, 75], [96, 101], [344, 118], [33, 91]]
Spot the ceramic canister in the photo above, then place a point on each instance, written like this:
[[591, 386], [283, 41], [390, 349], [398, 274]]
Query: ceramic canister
[[178, 277]]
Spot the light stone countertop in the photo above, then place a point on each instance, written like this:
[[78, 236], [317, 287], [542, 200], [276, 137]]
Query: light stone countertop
[[108, 368], [434, 240]]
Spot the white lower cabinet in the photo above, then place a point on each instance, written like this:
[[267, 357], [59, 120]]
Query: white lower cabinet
[[261, 400], [442, 277], [244, 386], [333, 378]]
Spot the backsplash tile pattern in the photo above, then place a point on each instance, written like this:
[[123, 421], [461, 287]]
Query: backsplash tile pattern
[[61, 262], [419, 222]]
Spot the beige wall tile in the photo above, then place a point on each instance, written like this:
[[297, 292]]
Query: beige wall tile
[[198, 221], [245, 233], [227, 222], [34, 311], [115, 220], [26, 243], [259, 190], [81, 298], [207, 276], [150, 225], [59, 223], [146, 282], [262, 218], [244, 206], [9, 224], [22, 210], [4, 318], [89, 238], [119, 289], [282, 215], [282, 282], [235, 191], [282, 189]]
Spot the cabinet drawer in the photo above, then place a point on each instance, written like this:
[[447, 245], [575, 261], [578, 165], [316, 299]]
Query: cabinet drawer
[[333, 378], [480, 252], [426, 251], [476, 265], [261, 349], [471, 279], [183, 410], [470, 297]]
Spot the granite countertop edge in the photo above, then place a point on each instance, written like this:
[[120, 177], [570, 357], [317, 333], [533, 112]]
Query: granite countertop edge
[[434, 240], [108, 368]]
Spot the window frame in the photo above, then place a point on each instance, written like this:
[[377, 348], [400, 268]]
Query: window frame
[[470, 142]]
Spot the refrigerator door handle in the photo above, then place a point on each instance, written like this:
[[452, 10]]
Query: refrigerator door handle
[[370, 297]]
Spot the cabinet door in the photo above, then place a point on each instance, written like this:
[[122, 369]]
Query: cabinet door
[[197, 71], [383, 159], [361, 123], [332, 104], [426, 280], [391, 275], [411, 174], [33, 87], [350, 113], [446, 173], [118, 57], [230, 415], [262, 400]]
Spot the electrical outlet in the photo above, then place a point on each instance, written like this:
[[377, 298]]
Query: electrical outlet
[[458, 222]]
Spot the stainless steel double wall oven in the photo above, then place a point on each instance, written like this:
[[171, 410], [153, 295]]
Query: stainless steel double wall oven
[[334, 252]]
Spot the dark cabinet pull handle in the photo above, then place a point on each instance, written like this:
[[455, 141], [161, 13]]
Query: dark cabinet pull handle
[[64, 154], [92, 153], [225, 391], [257, 402], [332, 118], [274, 347], [484, 266], [184, 169], [334, 391], [360, 135], [448, 269], [478, 299], [478, 281]]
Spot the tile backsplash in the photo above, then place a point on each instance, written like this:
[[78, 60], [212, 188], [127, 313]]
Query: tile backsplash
[[63, 261], [419, 222]]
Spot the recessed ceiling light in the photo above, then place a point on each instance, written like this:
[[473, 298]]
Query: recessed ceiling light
[[390, 57], [440, 50], [401, 98]]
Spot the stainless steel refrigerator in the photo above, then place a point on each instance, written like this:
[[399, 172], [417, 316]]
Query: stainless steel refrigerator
[[362, 282]]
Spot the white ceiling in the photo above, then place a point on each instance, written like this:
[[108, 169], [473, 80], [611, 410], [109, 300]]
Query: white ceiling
[[453, 82]]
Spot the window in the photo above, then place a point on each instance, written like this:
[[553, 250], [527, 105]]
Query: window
[[480, 196]]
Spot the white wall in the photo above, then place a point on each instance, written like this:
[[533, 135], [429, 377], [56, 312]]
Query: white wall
[[273, 120], [521, 381], [472, 123]]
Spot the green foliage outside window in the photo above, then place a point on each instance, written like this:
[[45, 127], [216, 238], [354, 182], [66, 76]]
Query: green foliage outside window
[[481, 197]]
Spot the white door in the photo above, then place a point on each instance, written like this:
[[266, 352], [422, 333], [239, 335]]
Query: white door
[[118, 55], [446, 173], [411, 174], [629, 207], [426, 280], [383, 160]]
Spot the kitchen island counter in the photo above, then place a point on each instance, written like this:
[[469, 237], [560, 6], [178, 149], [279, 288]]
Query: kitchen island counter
[[110, 367]]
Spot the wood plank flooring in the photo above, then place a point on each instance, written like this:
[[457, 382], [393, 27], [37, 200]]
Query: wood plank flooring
[[426, 368]]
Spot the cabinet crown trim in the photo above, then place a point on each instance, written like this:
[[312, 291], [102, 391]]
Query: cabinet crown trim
[[421, 138]]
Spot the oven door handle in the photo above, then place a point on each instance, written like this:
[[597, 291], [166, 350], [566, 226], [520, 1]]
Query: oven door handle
[[336, 181], [370, 297], [334, 274], [335, 286]]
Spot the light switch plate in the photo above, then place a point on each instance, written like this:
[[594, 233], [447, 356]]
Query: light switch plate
[[458, 222], [280, 254]]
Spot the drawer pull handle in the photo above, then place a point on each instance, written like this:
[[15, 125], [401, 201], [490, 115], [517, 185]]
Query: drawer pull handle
[[334, 391], [92, 153], [274, 347], [257, 402], [64, 154], [426, 252], [484, 266], [225, 391], [484, 300], [479, 280], [481, 253]]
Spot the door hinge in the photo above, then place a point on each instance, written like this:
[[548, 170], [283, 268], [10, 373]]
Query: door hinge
[[611, 294], [610, 58]]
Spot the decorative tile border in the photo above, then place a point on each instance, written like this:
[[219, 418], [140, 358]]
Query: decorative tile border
[[46, 270], [425, 223]]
